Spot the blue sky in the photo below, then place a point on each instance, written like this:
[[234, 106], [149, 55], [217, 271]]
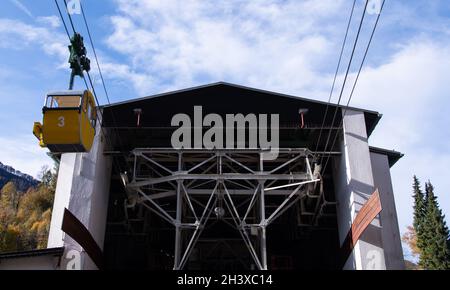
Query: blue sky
[[148, 47]]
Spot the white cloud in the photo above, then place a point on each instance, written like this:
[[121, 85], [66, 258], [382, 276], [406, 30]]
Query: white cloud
[[275, 45], [410, 86], [141, 82], [22, 7], [15, 34], [23, 153], [52, 20]]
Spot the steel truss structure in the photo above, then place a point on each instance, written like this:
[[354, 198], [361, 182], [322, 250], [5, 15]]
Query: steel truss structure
[[185, 187]]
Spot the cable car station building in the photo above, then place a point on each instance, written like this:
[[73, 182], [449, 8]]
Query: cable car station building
[[135, 202]]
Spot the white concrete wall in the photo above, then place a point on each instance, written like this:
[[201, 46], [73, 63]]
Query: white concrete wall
[[353, 185], [83, 188], [62, 198], [390, 232]]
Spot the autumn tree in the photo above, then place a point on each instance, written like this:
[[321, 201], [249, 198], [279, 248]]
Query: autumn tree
[[25, 217], [410, 238], [9, 233]]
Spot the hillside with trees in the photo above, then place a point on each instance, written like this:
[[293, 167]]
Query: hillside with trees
[[25, 210], [21, 180]]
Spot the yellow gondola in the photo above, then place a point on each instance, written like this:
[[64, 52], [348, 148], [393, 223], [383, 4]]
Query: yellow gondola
[[68, 123]]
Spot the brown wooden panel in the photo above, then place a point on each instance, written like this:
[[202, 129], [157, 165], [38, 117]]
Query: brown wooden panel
[[365, 216], [371, 209], [77, 231]]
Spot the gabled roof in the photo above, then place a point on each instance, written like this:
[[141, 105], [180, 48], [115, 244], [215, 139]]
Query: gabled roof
[[372, 117], [226, 84]]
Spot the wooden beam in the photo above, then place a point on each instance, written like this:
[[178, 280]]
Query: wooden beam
[[77, 231], [365, 216]]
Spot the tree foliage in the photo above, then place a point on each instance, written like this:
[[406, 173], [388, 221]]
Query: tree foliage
[[430, 237], [410, 238], [25, 216], [436, 252]]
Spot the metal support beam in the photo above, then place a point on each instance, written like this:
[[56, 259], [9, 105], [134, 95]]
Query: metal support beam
[[177, 255], [231, 176], [228, 176], [262, 208], [263, 247]]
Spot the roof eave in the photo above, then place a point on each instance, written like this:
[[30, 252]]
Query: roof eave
[[59, 251], [393, 156]]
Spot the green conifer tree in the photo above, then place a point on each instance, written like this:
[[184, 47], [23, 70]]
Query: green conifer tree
[[419, 218], [435, 252]]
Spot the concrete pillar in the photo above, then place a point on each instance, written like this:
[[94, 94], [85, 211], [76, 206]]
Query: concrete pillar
[[354, 184], [390, 233], [62, 198], [83, 188]]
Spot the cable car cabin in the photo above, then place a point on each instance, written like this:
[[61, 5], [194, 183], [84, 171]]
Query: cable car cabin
[[68, 122]]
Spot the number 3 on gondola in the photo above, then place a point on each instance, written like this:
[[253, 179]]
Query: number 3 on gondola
[[68, 123]]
